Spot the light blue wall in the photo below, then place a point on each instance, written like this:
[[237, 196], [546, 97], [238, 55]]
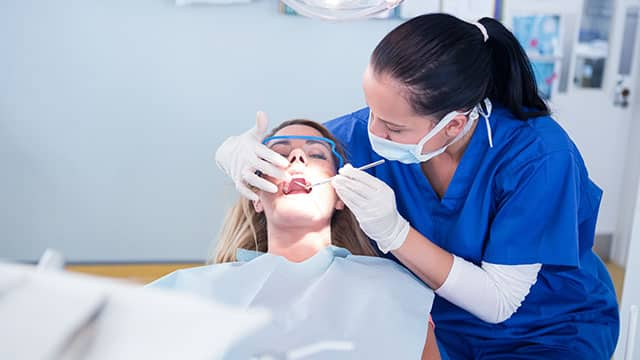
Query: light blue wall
[[110, 112]]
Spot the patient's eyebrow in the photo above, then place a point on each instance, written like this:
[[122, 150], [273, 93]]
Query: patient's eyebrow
[[323, 143], [287, 142], [280, 142]]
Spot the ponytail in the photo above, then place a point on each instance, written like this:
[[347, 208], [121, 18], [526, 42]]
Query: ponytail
[[513, 82], [446, 64]]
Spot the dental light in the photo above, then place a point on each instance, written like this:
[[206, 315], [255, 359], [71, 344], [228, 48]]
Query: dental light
[[341, 9]]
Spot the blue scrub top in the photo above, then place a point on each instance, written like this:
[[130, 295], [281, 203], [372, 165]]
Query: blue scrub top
[[526, 200]]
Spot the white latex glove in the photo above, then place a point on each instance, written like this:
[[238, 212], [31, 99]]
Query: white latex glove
[[374, 205], [241, 156]]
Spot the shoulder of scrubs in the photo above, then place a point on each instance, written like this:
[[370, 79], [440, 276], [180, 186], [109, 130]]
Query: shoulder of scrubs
[[346, 123], [542, 195], [351, 131]]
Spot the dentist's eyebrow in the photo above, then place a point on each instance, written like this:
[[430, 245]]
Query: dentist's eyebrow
[[391, 124]]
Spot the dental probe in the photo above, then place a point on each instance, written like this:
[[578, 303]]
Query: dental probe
[[364, 167]]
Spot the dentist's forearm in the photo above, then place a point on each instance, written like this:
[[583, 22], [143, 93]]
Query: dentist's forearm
[[427, 260], [491, 292]]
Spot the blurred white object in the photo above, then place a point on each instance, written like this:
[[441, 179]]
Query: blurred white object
[[51, 260], [341, 9], [60, 315], [210, 2]]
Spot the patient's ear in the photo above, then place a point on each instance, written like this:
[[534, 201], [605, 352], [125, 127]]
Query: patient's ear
[[339, 205], [257, 206]]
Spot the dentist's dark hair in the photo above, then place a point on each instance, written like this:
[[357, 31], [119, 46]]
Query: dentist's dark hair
[[445, 65]]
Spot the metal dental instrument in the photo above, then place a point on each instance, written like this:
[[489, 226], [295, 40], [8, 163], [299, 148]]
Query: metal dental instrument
[[328, 180]]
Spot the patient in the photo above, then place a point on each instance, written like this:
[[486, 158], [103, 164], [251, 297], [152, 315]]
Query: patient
[[300, 254]]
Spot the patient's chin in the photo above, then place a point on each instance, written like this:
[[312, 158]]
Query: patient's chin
[[310, 210], [299, 216]]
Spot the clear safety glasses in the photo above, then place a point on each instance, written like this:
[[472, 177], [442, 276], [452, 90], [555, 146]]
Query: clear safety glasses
[[314, 147]]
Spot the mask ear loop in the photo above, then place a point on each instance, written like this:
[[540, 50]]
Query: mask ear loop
[[485, 115], [434, 131]]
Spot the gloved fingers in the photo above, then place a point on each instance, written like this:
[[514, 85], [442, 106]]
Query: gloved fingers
[[225, 151], [350, 193], [271, 170], [251, 178], [246, 192], [349, 201], [354, 186], [262, 122], [345, 170], [279, 161], [362, 177]]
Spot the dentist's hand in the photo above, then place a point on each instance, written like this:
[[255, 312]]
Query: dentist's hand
[[374, 205], [240, 157]]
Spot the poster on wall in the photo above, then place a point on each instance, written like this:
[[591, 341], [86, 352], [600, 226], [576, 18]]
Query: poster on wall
[[540, 36], [285, 9]]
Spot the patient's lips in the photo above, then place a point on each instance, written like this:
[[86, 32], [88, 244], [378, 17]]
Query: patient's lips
[[297, 185]]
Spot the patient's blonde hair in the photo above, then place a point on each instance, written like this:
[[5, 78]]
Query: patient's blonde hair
[[244, 228]]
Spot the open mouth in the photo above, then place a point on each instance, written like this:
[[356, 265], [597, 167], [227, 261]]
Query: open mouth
[[297, 185]]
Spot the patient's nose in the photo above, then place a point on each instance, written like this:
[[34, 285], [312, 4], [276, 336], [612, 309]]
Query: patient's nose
[[297, 156]]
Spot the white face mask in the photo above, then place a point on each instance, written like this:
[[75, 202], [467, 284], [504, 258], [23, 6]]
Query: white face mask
[[412, 153]]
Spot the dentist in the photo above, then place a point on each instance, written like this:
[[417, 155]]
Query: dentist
[[488, 200]]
